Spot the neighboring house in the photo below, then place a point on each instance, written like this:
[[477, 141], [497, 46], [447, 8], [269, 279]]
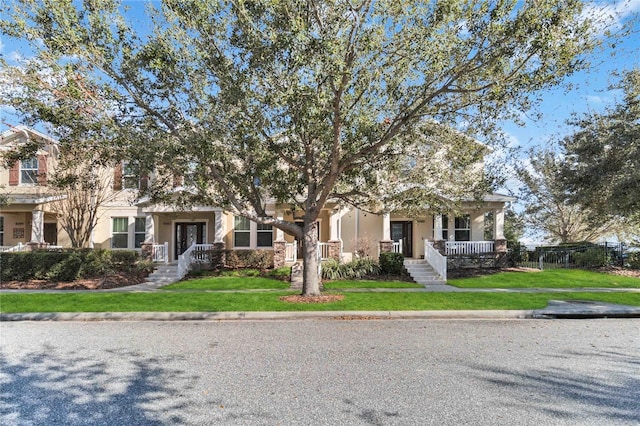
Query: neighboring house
[[127, 223]]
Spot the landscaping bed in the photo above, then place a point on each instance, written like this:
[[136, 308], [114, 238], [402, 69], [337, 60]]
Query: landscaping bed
[[96, 283]]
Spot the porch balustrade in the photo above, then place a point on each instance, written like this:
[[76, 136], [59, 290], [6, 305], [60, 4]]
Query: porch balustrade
[[323, 251], [160, 253], [469, 247], [291, 252], [437, 261], [397, 246], [17, 247]]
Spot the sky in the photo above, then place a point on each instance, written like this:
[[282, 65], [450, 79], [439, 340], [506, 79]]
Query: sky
[[590, 90]]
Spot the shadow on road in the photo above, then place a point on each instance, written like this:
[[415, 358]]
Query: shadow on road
[[610, 396]]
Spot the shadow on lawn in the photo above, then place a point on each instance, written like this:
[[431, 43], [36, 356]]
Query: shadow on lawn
[[567, 394]]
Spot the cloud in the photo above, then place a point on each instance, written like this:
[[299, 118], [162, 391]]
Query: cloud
[[609, 15]]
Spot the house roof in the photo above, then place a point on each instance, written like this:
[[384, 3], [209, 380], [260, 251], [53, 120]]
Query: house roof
[[17, 134]]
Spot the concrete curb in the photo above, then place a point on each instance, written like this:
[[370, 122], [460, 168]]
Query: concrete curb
[[265, 316]]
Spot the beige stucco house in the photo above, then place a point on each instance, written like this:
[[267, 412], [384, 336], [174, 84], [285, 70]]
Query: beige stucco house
[[30, 219]]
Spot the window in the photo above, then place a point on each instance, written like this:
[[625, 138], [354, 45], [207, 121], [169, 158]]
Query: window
[[1, 231], [463, 228], [139, 232], [241, 232], [130, 178], [265, 235], [120, 234], [29, 171]]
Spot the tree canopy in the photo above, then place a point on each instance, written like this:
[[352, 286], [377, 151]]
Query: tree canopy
[[300, 101]]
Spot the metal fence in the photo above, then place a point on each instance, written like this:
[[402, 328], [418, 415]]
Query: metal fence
[[568, 256]]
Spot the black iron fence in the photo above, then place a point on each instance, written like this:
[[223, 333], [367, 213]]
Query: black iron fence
[[584, 255]]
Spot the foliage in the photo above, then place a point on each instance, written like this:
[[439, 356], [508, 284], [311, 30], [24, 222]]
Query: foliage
[[634, 260], [602, 168], [300, 101], [391, 263], [68, 265], [548, 208], [594, 257], [260, 259], [359, 268], [362, 247]]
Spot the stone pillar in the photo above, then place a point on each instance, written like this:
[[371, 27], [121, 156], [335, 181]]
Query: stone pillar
[[335, 251], [279, 232], [386, 227], [149, 229], [37, 226], [498, 224], [218, 256], [278, 253], [500, 245], [386, 246], [219, 227], [146, 251]]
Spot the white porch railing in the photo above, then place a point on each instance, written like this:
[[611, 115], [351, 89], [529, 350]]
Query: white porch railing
[[437, 261], [160, 253], [17, 247], [291, 252], [323, 250], [199, 254], [469, 247], [397, 246], [184, 262]]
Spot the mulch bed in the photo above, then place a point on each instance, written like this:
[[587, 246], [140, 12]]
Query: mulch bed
[[326, 298], [98, 283]]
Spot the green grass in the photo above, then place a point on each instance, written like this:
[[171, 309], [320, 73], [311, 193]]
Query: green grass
[[228, 283], [252, 301], [332, 285], [557, 278]]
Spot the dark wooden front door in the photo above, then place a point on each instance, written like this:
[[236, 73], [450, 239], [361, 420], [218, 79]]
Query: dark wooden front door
[[403, 230], [51, 233], [188, 234]]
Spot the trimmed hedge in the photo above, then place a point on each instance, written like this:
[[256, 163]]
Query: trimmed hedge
[[391, 263], [239, 259], [66, 265], [634, 260]]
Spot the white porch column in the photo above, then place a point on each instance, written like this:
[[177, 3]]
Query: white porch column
[[219, 227], [386, 226], [279, 232], [149, 229], [437, 227], [37, 226], [334, 226], [498, 224]]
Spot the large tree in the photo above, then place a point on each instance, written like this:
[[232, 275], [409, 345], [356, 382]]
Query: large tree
[[549, 208], [602, 168], [306, 101]]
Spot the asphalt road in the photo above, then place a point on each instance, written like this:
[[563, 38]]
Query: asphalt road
[[321, 372]]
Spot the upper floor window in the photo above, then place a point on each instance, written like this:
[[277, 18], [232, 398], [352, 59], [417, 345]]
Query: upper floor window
[[29, 171], [130, 179]]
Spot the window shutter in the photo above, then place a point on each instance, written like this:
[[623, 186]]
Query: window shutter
[[117, 177], [14, 174], [42, 170]]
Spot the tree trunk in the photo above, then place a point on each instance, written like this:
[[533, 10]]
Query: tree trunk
[[310, 276]]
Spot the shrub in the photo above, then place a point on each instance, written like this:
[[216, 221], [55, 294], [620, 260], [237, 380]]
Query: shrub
[[332, 270], [123, 260], [67, 270], [260, 259], [593, 257], [283, 273], [391, 263], [634, 260]]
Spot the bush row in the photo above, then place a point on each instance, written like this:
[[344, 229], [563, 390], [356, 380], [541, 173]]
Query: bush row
[[68, 265], [237, 259]]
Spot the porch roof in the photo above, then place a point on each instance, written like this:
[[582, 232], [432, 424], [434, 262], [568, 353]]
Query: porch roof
[[33, 198]]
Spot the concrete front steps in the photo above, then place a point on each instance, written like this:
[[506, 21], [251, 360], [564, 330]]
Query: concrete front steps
[[163, 274], [421, 272]]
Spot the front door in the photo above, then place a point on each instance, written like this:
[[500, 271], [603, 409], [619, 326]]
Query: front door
[[187, 234], [403, 230], [51, 233]]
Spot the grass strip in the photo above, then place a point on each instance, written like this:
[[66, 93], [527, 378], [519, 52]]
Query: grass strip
[[332, 285], [225, 302], [228, 283], [557, 278]]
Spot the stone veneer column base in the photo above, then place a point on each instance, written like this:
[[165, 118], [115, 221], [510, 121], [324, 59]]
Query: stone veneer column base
[[279, 253]]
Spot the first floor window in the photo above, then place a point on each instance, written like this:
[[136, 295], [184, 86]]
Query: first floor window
[[1, 231], [241, 232], [29, 171], [139, 234], [120, 234], [265, 235], [463, 228]]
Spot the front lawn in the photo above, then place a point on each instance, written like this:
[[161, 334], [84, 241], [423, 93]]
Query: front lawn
[[332, 285], [269, 301], [228, 283], [556, 278]]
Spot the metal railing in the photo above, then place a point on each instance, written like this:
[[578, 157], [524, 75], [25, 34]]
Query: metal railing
[[437, 261], [160, 253], [469, 247]]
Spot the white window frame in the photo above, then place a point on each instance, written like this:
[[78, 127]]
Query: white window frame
[[242, 231], [30, 169], [130, 180], [114, 233], [136, 233], [467, 218], [265, 231]]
